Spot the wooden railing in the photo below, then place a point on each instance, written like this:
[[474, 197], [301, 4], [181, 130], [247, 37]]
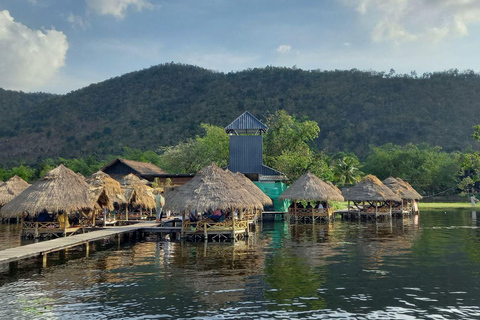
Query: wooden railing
[[371, 210], [309, 212], [41, 225], [209, 225]]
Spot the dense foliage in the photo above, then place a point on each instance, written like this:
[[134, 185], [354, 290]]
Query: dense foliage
[[427, 168], [165, 104]]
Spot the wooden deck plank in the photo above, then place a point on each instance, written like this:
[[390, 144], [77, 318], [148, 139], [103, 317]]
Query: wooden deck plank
[[39, 248]]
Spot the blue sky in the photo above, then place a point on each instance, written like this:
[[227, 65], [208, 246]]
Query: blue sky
[[62, 45]]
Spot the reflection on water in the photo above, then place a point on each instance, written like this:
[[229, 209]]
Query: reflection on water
[[427, 268]]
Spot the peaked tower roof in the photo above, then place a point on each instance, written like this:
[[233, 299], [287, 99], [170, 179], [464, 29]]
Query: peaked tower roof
[[246, 123]]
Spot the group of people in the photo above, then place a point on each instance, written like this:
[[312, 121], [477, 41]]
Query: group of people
[[318, 205]]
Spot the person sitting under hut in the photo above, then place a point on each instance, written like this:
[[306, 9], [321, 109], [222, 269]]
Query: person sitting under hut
[[216, 215], [44, 217], [319, 205], [300, 205], [309, 206], [63, 219]]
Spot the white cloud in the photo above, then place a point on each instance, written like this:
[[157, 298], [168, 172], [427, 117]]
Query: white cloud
[[28, 58], [418, 20], [117, 8], [77, 22], [284, 48]]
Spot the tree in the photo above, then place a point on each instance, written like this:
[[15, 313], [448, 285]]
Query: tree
[[287, 146], [427, 168], [194, 154], [346, 169]]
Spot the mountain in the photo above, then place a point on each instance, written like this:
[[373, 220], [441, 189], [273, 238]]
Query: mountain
[[165, 104]]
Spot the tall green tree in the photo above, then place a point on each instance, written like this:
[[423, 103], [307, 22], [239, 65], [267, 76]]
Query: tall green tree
[[289, 148], [346, 169], [194, 154]]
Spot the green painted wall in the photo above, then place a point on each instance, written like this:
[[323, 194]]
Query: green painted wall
[[274, 190]]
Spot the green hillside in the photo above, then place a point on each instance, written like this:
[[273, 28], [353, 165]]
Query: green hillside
[[165, 104]]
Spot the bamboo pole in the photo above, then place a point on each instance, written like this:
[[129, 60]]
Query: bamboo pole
[[65, 219]]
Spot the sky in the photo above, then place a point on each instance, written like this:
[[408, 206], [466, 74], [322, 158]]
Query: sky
[[62, 45]]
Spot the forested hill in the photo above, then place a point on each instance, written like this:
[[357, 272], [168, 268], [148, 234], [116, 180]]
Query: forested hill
[[165, 104]]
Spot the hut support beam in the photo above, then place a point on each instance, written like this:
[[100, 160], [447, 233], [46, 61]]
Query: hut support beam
[[65, 220]]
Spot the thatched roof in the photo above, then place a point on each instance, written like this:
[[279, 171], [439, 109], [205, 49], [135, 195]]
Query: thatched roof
[[413, 193], [211, 188], [142, 168], [399, 189], [248, 185], [59, 190], [12, 188], [370, 188], [310, 187], [136, 192], [113, 189]]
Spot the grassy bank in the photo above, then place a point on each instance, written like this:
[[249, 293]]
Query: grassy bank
[[439, 205]]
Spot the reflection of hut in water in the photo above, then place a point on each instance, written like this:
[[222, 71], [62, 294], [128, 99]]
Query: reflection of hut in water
[[49, 205], [11, 188], [213, 203], [406, 193], [138, 196], [371, 199], [319, 195]]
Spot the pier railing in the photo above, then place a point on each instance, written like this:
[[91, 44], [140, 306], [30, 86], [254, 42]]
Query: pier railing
[[309, 212], [209, 225]]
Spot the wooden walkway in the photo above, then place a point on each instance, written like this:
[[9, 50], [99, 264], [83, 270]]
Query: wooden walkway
[[45, 247]]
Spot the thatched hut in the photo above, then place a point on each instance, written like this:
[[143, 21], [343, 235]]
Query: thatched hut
[[414, 196], [371, 197], [212, 190], [137, 194], [312, 189], [11, 188], [101, 180], [60, 192], [251, 187]]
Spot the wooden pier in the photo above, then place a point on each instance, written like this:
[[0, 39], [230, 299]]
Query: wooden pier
[[42, 249]]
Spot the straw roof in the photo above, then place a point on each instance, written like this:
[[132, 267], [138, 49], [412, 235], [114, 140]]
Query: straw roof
[[137, 192], [414, 194], [142, 168], [12, 188], [399, 189], [113, 189], [251, 187], [211, 188], [370, 188], [59, 190], [310, 187]]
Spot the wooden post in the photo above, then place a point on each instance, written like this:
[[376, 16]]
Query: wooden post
[[44, 260], [183, 224], [391, 210], [87, 249], [376, 210], [328, 210], [104, 217], [233, 225], [65, 219], [295, 210], [37, 232], [205, 232], [141, 213], [126, 211], [93, 219]]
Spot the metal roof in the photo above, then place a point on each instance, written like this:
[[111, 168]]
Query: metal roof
[[246, 123]]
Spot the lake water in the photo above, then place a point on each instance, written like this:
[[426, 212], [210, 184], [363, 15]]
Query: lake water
[[416, 269]]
